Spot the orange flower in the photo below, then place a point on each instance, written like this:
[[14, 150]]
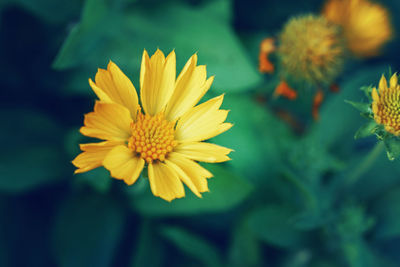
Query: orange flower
[[285, 90], [267, 46], [366, 25]]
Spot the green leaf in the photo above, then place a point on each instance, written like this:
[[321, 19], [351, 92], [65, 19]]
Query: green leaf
[[83, 42], [87, 231], [392, 145], [226, 191], [367, 91], [258, 138], [148, 244], [245, 249], [99, 179], [363, 107], [273, 224], [31, 154], [387, 211], [366, 130], [192, 245], [51, 11], [165, 26]]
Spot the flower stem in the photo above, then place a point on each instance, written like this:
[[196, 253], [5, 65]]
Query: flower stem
[[365, 164]]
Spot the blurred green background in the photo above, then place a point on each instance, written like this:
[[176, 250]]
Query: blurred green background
[[282, 201]]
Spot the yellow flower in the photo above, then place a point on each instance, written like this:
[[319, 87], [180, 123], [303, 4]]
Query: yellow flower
[[310, 50], [386, 105], [366, 25], [165, 134]]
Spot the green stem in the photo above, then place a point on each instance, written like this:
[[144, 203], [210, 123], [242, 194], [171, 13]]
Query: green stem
[[365, 164]]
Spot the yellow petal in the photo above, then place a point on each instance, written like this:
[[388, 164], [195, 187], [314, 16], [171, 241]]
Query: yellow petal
[[205, 152], [109, 121], [197, 174], [393, 81], [124, 164], [93, 155], [184, 177], [375, 107], [190, 87], [100, 93], [382, 84], [375, 96], [202, 122], [164, 182], [117, 87], [157, 81]]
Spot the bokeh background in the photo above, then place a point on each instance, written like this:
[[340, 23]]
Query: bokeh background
[[282, 201]]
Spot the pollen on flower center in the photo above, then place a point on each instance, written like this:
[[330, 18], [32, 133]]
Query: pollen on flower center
[[152, 137], [390, 107]]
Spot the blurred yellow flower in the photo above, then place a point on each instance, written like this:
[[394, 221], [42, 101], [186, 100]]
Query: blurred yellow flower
[[310, 50], [366, 25], [165, 134], [386, 105]]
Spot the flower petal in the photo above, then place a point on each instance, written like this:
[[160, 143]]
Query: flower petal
[[93, 155], [109, 121], [124, 164], [190, 87], [375, 96], [382, 84], [205, 152], [113, 85], [164, 182], [393, 81], [203, 121], [157, 81], [184, 177], [195, 174]]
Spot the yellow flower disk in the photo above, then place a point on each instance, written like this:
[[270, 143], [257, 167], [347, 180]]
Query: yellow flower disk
[[152, 137], [386, 104], [366, 26], [166, 133]]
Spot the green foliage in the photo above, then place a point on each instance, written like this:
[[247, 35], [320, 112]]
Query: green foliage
[[363, 107], [274, 225], [251, 152], [226, 191], [245, 248], [148, 245], [192, 245], [367, 129], [388, 213], [93, 222], [125, 32], [392, 145], [36, 148]]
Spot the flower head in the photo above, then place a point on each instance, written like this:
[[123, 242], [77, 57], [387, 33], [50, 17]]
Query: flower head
[[386, 105], [166, 133], [311, 50], [366, 25]]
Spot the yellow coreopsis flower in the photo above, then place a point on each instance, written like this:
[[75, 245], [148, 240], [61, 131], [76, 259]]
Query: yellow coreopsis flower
[[166, 133], [366, 25], [386, 104]]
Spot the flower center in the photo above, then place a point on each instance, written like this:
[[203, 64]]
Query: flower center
[[152, 137], [390, 108]]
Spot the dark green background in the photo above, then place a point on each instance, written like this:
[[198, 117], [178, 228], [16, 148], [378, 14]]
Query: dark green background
[[282, 201]]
